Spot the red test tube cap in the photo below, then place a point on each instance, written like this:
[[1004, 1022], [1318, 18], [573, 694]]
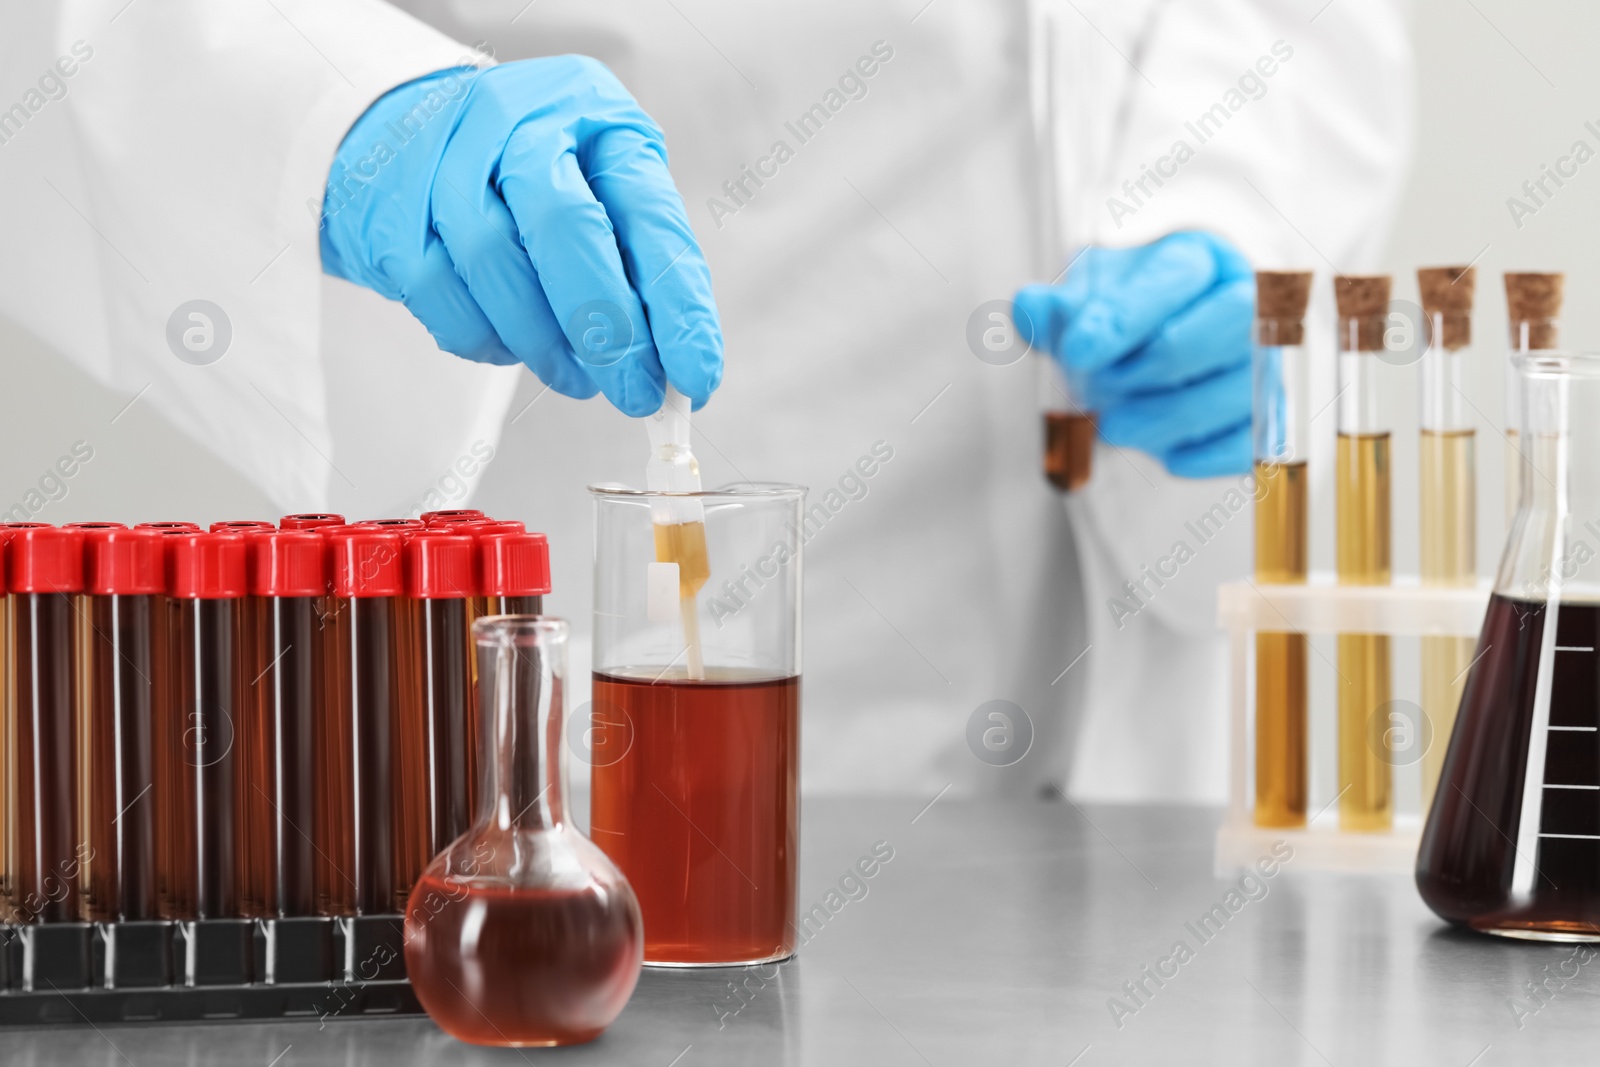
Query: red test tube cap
[[45, 559], [310, 520], [288, 563], [440, 565], [435, 518], [241, 526], [206, 566], [513, 564], [365, 561], [488, 526], [118, 561], [406, 528], [189, 527], [96, 526]]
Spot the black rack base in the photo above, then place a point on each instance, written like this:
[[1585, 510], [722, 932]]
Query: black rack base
[[210, 969]]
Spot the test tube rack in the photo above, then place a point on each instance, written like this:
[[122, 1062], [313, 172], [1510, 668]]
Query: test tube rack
[[1322, 607]]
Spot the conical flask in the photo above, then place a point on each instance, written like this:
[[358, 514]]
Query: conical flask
[[522, 932], [1512, 842]]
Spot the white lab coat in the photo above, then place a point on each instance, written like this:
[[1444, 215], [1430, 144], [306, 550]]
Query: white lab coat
[[179, 162]]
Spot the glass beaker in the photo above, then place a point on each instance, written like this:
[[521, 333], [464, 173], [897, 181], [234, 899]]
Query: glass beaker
[[1512, 842], [521, 932], [695, 780]]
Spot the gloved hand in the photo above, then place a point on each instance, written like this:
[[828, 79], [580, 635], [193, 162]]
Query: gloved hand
[[524, 213], [1158, 340]]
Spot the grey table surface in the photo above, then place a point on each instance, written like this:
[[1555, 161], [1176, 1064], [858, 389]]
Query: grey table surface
[[1002, 933]]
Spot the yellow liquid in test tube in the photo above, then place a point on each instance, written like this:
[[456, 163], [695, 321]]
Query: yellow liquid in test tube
[[1366, 798], [1449, 557], [1281, 657]]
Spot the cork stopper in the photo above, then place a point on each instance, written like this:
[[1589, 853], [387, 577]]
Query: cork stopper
[[1447, 292], [1281, 299], [1365, 298], [1533, 303]]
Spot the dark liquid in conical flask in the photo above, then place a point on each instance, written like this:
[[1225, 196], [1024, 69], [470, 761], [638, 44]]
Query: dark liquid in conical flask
[[1471, 843]]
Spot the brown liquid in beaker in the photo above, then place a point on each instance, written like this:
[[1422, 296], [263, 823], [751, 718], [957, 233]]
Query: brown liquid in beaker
[[496, 965], [701, 811], [1068, 449], [1469, 848]]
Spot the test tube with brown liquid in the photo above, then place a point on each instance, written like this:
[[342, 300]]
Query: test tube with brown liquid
[[1533, 314], [124, 579], [252, 742], [410, 755], [1362, 501], [288, 574], [361, 825], [166, 731], [1281, 432], [46, 574], [1448, 518], [440, 577], [331, 668], [8, 734], [207, 581], [513, 568]]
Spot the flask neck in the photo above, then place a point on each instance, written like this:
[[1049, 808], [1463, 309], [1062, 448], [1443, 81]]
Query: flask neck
[[521, 682]]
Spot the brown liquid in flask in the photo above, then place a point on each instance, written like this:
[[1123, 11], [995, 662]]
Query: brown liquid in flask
[[1502, 758], [1512, 842]]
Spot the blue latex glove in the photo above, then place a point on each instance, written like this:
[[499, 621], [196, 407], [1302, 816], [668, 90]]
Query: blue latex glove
[[524, 213], [1158, 340]]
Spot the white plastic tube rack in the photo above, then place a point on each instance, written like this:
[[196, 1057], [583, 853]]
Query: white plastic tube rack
[[1322, 607]]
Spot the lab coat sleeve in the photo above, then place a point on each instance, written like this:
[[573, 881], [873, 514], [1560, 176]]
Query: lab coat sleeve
[[157, 153], [1290, 138]]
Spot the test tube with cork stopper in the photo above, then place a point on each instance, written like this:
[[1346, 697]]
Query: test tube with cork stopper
[[1362, 509], [1447, 477], [1281, 444]]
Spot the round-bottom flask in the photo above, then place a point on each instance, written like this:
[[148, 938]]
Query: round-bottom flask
[[522, 932]]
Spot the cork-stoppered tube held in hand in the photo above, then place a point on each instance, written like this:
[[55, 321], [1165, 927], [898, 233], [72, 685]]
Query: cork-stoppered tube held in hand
[[1281, 301]]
